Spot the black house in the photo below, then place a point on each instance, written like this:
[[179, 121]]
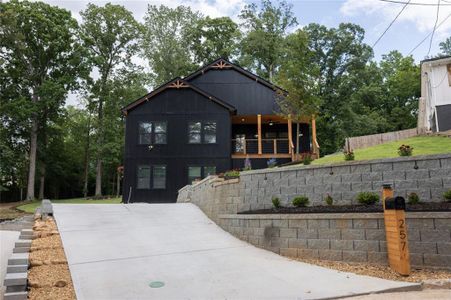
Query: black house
[[206, 123]]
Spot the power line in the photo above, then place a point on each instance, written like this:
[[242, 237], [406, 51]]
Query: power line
[[425, 38], [385, 31], [415, 3], [435, 27]]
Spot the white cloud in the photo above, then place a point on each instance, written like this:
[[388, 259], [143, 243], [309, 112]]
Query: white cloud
[[420, 16]]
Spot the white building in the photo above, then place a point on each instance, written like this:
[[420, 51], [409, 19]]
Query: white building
[[435, 103]]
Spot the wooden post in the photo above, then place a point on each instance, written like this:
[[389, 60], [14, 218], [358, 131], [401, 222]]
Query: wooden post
[[314, 142], [259, 124], [275, 146], [290, 135], [396, 231], [244, 145]]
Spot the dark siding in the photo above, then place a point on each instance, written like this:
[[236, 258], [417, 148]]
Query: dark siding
[[245, 94], [258, 163], [444, 117], [177, 108]]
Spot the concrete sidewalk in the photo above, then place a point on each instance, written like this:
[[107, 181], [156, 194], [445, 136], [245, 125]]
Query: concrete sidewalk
[[115, 251]]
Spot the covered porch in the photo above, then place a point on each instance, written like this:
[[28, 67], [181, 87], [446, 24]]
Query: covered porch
[[273, 136]]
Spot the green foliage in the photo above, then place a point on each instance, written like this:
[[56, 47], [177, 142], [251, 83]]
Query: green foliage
[[232, 174], [166, 41], [367, 198], [329, 200], [405, 150], [445, 46], [413, 198], [212, 38], [276, 202], [263, 45], [307, 159], [300, 201], [349, 155], [447, 195]]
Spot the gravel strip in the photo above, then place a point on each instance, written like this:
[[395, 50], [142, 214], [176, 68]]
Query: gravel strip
[[385, 272]]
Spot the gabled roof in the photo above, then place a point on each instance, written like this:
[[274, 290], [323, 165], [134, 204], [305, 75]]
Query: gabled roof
[[221, 64], [177, 83]]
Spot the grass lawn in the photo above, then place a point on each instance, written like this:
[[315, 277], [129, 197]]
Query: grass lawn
[[422, 145], [31, 206]]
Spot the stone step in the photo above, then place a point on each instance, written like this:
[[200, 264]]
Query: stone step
[[27, 231], [21, 249], [14, 279], [18, 259], [16, 288], [16, 268], [23, 243], [16, 296], [26, 237]]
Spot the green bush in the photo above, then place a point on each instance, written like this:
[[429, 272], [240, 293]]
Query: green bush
[[275, 202], [349, 155], [413, 198], [300, 201], [329, 200], [232, 174], [367, 198], [405, 150], [447, 195], [307, 159]]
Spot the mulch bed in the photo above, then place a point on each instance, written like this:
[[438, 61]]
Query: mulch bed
[[49, 276], [354, 208]]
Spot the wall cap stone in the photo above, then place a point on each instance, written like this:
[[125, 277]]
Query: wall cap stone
[[347, 163], [332, 216]]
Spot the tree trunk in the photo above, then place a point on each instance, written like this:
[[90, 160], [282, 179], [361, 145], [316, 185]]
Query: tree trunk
[[86, 159], [99, 177], [32, 157], [42, 181], [297, 137]]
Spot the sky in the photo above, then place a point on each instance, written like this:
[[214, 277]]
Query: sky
[[411, 27]]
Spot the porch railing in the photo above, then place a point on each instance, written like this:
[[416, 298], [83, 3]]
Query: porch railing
[[269, 146]]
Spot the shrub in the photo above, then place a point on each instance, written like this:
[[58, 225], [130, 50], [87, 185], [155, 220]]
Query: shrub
[[367, 198], [405, 150], [307, 159], [329, 200], [275, 202], [271, 163], [300, 201], [413, 198], [349, 155], [232, 174], [447, 195], [247, 164]]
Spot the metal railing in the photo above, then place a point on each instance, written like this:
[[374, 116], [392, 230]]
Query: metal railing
[[269, 146]]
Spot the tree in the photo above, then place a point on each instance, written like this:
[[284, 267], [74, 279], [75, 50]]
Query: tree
[[340, 56], [445, 46], [110, 34], [214, 37], [40, 52], [166, 42], [263, 43]]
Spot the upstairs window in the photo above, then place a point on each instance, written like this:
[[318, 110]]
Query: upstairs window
[[202, 132], [152, 133]]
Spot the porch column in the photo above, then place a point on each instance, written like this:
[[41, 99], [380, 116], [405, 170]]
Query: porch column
[[290, 135], [259, 132]]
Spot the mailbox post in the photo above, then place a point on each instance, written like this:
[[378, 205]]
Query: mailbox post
[[396, 231]]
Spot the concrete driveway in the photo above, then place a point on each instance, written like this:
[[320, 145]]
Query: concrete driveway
[[117, 251]]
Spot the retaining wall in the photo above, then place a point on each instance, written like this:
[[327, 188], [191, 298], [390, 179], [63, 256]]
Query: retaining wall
[[349, 237]]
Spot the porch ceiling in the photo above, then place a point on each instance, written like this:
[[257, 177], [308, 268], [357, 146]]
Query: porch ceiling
[[266, 119]]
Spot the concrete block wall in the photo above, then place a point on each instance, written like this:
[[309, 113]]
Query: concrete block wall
[[344, 237]]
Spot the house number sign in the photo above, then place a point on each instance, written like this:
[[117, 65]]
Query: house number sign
[[396, 231]]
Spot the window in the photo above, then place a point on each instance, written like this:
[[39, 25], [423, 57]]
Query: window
[[197, 172], [143, 177], [144, 174], [209, 171], [145, 133], [152, 133], [199, 132], [159, 177], [194, 173], [194, 132]]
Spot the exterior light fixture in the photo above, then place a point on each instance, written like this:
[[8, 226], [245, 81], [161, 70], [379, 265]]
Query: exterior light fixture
[[271, 123], [242, 120]]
